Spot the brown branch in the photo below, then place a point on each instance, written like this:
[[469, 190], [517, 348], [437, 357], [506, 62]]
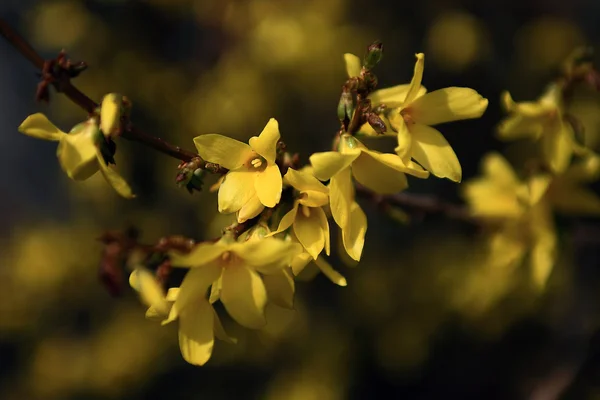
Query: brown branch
[[63, 84], [419, 203]]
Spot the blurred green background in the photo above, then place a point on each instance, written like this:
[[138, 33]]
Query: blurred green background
[[421, 318]]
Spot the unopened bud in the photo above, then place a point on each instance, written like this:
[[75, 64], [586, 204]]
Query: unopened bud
[[345, 107], [376, 123], [373, 56]]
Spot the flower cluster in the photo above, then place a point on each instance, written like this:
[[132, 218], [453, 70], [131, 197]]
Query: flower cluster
[[282, 211], [520, 210]]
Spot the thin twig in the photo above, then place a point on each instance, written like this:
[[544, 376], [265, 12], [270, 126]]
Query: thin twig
[[82, 100]]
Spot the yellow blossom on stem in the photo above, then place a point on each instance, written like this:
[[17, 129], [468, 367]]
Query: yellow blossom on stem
[[254, 180], [522, 211], [78, 152], [380, 172], [543, 121], [413, 118], [237, 265], [307, 218], [198, 323]]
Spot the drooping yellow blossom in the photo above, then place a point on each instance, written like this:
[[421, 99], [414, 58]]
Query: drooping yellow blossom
[[307, 218], [412, 121], [522, 211], [380, 172], [198, 322], [78, 152], [254, 180], [237, 265], [543, 121]]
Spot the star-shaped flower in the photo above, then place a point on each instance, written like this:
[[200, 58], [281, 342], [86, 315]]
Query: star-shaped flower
[[254, 180]]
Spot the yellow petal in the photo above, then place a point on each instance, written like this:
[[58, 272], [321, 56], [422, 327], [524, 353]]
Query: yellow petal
[[113, 178], [201, 254], [39, 126], [215, 291], [266, 143], [394, 162], [110, 113], [77, 156], [330, 273], [287, 220], [309, 233], [220, 331], [527, 109], [244, 296], [172, 294], [353, 65], [394, 96], [193, 288], [432, 151], [236, 190], [280, 288], [324, 227], [196, 337], [219, 149], [266, 254], [415, 83], [329, 163], [520, 127], [543, 253], [446, 105], [499, 171], [538, 187], [489, 200], [378, 176], [313, 198], [404, 137], [150, 290], [268, 185], [250, 210], [354, 234], [341, 193], [557, 146], [303, 181]]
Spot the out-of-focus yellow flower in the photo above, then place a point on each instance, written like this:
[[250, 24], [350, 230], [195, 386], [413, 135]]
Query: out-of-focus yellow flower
[[254, 180], [522, 211], [237, 266], [412, 122], [307, 217], [382, 173], [151, 291], [542, 121], [78, 152]]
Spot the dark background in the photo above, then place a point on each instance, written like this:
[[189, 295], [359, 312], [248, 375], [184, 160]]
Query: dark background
[[420, 319]]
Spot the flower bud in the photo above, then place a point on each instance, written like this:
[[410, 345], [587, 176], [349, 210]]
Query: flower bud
[[373, 56], [345, 107]]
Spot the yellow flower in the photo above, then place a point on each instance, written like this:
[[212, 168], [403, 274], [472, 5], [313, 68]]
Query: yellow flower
[[237, 265], [382, 173], [412, 122], [541, 120], [523, 210], [110, 114], [198, 322], [254, 180], [310, 224], [78, 152]]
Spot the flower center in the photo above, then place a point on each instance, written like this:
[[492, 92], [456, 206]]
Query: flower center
[[256, 163], [228, 259], [407, 117]]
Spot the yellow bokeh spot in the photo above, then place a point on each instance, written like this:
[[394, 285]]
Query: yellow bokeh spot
[[456, 40], [49, 28]]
